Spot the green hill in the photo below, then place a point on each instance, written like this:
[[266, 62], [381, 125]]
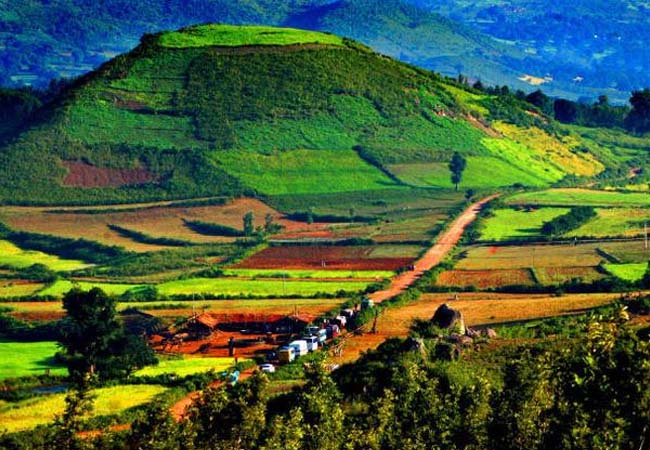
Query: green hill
[[226, 110]]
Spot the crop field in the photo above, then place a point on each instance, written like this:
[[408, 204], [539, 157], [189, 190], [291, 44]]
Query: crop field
[[16, 258], [526, 223], [323, 257], [185, 366], [626, 252], [162, 221], [244, 287], [615, 222], [303, 171], [60, 287], [21, 359], [408, 229], [582, 197], [521, 257], [483, 279], [481, 172], [557, 151], [18, 288], [27, 414], [628, 272], [507, 224], [316, 274], [557, 275], [232, 35]]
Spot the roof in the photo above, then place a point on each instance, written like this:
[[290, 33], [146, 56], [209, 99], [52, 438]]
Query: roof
[[206, 320]]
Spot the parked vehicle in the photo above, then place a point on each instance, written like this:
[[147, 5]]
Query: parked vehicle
[[332, 331], [341, 321], [286, 354], [268, 368], [312, 330], [321, 335], [312, 342], [300, 347]]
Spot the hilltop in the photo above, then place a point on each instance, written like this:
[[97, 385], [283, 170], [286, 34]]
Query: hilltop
[[218, 110]]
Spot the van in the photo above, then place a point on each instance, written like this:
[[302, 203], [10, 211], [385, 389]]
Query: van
[[286, 354], [332, 331], [312, 343], [300, 347], [312, 330], [322, 336]]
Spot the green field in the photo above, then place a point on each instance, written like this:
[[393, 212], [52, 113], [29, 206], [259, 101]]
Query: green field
[[60, 287], [615, 222], [16, 258], [507, 224], [27, 414], [580, 197], [303, 171], [628, 272], [18, 288], [232, 36], [316, 274], [226, 286], [481, 171], [22, 359], [186, 366]]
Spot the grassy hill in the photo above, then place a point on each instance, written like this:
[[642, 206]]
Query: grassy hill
[[225, 110]]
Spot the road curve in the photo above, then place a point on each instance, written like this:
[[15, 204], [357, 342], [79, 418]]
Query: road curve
[[434, 256]]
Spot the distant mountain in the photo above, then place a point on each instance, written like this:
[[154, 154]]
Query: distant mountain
[[45, 39], [586, 44], [228, 110]]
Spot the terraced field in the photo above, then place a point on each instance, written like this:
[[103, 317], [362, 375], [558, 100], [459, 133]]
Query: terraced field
[[16, 258]]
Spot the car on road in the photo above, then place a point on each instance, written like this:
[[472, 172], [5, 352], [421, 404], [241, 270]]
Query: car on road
[[268, 368]]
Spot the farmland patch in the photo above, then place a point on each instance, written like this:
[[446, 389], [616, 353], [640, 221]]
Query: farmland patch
[[21, 359], [484, 279]]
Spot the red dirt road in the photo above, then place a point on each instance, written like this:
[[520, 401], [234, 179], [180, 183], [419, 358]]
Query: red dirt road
[[435, 254]]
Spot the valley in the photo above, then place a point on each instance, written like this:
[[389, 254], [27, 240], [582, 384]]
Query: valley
[[235, 192]]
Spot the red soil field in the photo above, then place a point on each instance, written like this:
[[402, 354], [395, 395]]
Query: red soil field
[[84, 175], [321, 257]]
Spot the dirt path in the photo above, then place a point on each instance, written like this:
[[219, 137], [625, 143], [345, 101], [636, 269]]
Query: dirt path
[[445, 243], [179, 409]]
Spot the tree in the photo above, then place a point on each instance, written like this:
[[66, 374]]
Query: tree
[[566, 111], [249, 228], [90, 333], [457, 166], [638, 120], [541, 100], [469, 194]]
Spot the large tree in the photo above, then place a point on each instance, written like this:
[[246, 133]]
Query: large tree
[[638, 120], [457, 166]]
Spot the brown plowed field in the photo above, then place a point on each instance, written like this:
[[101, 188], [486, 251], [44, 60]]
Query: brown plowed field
[[321, 257], [483, 279], [84, 175]]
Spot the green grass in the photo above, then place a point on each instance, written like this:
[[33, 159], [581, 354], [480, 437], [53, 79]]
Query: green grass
[[581, 197], [22, 359], [27, 414], [60, 287], [628, 272], [16, 258], [225, 286], [303, 171], [507, 224], [316, 274], [186, 366], [481, 172], [232, 36], [525, 159]]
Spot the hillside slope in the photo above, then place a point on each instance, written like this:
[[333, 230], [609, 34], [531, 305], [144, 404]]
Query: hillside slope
[[225, 110]]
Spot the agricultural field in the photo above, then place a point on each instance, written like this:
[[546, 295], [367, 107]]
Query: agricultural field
[[583, 197], [481, 172], [60, 287], [324, 257], [185, 366], [512, 224], [626, 252], [303, 171], [22, 359], [485, 279], [245, 287], [486, 267], [27, 414], [315, 274], [18, 288], [158, 221], [16, 258], [628, 272]]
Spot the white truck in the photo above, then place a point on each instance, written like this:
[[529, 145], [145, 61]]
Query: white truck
[[312, 342], [300, 347]]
